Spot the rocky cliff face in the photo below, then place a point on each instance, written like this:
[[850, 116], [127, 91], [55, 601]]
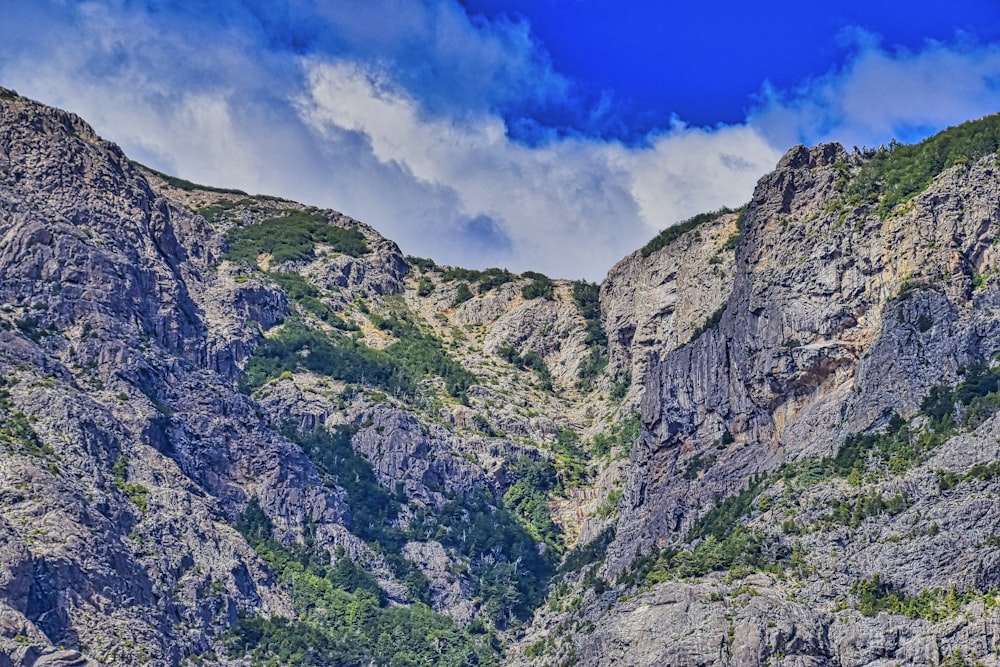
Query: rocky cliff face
[[840, 548], [237, 429], [133, 304]]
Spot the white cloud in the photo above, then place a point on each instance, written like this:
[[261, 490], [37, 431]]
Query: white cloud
[[881, 94], [571, 207], [215, 107], [392, 120]]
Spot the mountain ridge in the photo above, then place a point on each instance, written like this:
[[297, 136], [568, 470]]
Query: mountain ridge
[[286, 433]]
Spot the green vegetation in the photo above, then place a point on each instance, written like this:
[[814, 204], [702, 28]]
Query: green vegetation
[[214, 211], [305, 295], [966, 405], [540, 287], [421, 263], [893, 175], [422, 355], [509, 572], [591, 367], [373, 508], [741, 550], [529, 360], [299, 347], [624, 433], [342, 617], [586, 296], [425, 287], [712, 322], [853, 511], [16, 432], [721, 540], [292, 237], [875, 595], [136, 493], [610, 504], [397, 369], [462, 294], [724, 517], [528, 500], [590, 553], [570, 460], [487, 278], [182, 184], [981, 471], [971, 402], [671, 234]]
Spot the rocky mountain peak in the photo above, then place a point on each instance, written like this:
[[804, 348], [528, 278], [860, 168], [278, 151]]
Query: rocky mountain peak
[[236, 429]]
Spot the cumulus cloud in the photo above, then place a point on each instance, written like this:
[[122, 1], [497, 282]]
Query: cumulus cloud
[[880, 94], [393, 122], [389, 111]]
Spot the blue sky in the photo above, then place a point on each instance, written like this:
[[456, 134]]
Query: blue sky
[[555, 135]]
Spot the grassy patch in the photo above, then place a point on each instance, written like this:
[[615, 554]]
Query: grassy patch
[[342, 617], [891, 176], [413, 356], [292, 237], [674, 232], [182, 184]]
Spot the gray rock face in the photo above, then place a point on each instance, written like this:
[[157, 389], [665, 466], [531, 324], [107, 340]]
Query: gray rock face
[[837, 318], [124, 329], [127, 454], [814, 342], [653, 304]]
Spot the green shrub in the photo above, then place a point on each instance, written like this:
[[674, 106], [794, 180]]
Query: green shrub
[[712, 322], [528, 500], [510, 572], [462, 294], [891, 176], [421, 263], [182, 184], [590, 553], [304, 294], [875, 595], [425, 287], [298, 346], [341, 615], [540, 287], [672, 233], [529, 360], [623, 435], [413, 356], [292, 237]]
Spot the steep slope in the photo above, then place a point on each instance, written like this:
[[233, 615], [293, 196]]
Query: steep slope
[[239, 428], [814, 483]]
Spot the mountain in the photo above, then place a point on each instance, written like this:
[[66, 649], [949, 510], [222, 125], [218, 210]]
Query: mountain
[[241, 430]]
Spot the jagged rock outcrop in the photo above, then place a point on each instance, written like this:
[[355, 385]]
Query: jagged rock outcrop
[[652, 303], [793, 498], [815, 342], [838, 318], [128, 455]]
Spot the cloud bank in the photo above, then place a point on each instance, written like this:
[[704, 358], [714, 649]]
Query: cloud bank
[[392, 112]]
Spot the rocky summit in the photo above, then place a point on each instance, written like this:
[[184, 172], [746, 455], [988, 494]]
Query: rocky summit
[[239, 430]]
